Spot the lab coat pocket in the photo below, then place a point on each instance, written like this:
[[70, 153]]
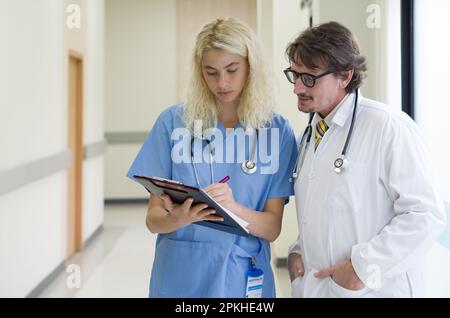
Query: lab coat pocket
[[337, 291], [183, 269], [296, 287], [347, 220]]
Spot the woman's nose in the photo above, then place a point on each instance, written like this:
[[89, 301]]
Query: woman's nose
[[223, 79]]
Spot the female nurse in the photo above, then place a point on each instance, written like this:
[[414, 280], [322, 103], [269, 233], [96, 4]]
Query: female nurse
[[229, 90]]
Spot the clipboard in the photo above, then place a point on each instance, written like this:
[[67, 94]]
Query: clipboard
[[179, 192]]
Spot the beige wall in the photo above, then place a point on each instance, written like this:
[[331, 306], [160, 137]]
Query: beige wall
[[140, 79]]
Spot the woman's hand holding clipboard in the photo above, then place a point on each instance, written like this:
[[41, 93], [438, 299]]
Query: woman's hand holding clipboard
[[189, 204], [186, 213]]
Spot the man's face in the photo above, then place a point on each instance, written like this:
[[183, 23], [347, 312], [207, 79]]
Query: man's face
[[326, 93]]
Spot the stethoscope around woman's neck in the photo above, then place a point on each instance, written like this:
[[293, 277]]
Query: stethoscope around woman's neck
[[340, 163], [248, 166]]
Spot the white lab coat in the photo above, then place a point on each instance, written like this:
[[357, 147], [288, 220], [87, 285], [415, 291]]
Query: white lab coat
[[382, 212]]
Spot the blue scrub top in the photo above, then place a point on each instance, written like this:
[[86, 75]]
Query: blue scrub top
[[198, 261]]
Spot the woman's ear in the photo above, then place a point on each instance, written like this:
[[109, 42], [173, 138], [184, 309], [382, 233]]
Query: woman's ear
[[347, 78]]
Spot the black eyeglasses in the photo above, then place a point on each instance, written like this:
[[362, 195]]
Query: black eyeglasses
[[308, 80]]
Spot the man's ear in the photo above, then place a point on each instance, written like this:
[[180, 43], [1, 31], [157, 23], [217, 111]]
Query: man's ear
[[347, 78]]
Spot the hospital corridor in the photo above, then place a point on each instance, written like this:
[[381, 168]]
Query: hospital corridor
[[121, 256], [97, 98]]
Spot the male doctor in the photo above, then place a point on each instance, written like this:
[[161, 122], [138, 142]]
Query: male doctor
[[364, 226]]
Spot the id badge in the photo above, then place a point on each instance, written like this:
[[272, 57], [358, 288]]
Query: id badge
[[255, 279]]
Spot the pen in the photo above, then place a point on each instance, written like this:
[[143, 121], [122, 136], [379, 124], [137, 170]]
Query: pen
[[224, 179]]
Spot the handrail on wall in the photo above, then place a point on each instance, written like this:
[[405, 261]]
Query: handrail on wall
[[25, 174]]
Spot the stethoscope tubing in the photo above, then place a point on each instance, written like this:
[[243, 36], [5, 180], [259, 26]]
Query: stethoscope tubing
[[339, 162], [248, 166]]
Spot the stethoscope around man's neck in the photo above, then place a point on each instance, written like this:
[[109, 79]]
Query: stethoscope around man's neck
[[340, 163]]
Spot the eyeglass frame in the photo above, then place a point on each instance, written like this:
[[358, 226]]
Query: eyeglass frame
[[300, 75]]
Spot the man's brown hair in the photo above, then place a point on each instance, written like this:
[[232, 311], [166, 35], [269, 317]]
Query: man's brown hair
[[331, 46]]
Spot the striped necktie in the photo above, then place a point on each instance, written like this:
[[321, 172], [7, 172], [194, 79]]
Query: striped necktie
[[321, 129]]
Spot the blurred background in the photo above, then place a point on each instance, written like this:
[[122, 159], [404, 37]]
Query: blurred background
[[82, 82]]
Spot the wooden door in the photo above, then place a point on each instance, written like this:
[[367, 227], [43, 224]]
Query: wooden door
[[75, 142]]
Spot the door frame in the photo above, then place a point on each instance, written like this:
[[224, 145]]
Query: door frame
[[75, 142]]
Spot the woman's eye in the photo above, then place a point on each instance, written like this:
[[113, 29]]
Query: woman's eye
[[211, 73], [232, 71]]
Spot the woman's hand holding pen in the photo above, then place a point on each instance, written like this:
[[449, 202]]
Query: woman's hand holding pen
[[222, 194], [185, 214]]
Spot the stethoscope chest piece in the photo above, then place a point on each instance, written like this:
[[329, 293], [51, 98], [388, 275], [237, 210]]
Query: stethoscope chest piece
[[294, 177], [249, 167], [340, 164]]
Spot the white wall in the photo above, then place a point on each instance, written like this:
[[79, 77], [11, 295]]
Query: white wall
[[390, 81], [33, 124], [432, 113], [31, 80], [432, 74], [31, 218], [140, 79]]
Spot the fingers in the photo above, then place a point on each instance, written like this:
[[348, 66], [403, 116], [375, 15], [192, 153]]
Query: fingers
[[215, 192], [209, 215], [295, 266], [219, 198], [291, 276], [167, 202], [296, 272], [325, 272], [213, 217], [166, 197], [300, 267], [217, 188], [198, 207], [214, 186], [205, 212], [187, 204]]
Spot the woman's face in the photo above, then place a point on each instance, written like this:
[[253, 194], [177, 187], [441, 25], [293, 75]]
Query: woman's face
[[225, 74]]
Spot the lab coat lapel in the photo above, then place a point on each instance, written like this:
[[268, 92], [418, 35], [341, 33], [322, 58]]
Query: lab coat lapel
[[344, 113]]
